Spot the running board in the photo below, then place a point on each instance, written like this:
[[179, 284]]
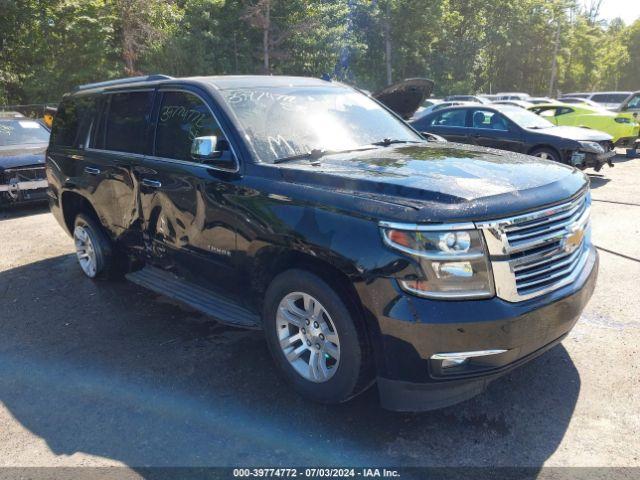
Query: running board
[[210, 303]]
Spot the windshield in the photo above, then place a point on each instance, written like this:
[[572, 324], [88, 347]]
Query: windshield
[[525, 118], [286, 121], [22, 132]]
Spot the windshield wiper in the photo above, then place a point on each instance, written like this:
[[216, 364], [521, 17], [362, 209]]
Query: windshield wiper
[[385, 142], [315, 154]]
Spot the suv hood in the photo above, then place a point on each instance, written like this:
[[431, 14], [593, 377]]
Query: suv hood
[[21, 155], [575, 133], [405, 97], [436, 182]]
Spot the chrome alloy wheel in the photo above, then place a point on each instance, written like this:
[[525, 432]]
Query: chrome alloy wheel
[[308, 338], [544, 155], [85, 251]]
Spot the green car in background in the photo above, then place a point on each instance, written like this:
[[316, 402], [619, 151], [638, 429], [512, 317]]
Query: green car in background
[[630, 108], [622, 127]]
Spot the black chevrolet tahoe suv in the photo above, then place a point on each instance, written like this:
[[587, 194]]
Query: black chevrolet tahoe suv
[[366, 253]]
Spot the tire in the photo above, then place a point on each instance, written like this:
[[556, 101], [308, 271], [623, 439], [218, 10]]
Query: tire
[[345, 376], [546, 153], [93, 248]]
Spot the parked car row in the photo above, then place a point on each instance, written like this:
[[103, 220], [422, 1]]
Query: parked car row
[[482, 120], [624, 131], [515, 129]]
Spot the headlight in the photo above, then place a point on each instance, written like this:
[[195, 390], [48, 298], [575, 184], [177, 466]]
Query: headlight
[[623, 120], [593, 147], [454, 263]]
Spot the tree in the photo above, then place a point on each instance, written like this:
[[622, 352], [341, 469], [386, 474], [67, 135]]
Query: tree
[[466, 46], [140, 25]]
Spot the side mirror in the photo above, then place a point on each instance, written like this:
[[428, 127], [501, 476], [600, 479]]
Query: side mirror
[[204, 148], [213, 151], [432, 137]]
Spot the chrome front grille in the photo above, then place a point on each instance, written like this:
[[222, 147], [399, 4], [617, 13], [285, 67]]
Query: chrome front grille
[[24, 174], [536, 253]]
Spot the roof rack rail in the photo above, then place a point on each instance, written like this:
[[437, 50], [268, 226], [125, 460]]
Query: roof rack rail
[[123, 81]]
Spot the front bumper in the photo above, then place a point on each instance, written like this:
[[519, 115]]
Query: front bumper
[[413, 329], [583, 159], [23, 191]]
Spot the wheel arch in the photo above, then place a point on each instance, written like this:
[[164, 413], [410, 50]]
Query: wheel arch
[[270, 262], [546, 146], [73, 203]]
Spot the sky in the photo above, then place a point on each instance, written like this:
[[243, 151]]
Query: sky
[[628, 10]]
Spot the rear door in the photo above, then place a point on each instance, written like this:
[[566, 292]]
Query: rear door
[[95, 137], [117, 141], [489, 128], [189, 220]]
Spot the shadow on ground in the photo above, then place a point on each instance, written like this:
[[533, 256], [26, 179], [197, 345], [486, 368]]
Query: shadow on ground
[[112, 370], [597, 180], [22, 210]]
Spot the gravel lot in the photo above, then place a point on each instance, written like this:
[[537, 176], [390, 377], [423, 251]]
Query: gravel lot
[[103, 373]]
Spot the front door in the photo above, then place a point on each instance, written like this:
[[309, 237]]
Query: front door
[[187, 205], [492, 129], [450, 124]]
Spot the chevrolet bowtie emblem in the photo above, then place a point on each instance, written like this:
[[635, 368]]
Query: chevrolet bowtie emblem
[[575, 234]]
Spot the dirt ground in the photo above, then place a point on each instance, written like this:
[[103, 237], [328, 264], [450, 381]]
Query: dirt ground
[[106, 373]]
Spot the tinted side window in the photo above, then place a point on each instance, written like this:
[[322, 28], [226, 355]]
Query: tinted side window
[[126, 121], [546, 112], [609, 97], [634, 102], [488, 119], [182, 118], [67, 129], [452, 118]]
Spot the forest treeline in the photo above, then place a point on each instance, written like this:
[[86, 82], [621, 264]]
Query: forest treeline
[[466, 46]]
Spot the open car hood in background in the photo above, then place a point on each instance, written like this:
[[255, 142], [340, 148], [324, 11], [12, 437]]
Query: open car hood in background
[[406, 96]]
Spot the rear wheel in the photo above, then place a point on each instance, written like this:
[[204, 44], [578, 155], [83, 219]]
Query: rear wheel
[[93, 248], [313, 338], [546, 153]]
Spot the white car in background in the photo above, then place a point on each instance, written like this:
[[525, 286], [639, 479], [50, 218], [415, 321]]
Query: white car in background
[[512, 96], [608, 100]]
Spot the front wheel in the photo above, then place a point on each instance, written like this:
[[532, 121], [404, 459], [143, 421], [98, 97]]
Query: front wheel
[[313, 338], [546, 153]]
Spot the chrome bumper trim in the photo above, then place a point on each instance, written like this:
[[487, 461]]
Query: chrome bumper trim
[[21, 186], [461, 355]]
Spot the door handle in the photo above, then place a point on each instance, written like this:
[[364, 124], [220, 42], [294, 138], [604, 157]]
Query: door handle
[[92, 170], [151, 183]]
